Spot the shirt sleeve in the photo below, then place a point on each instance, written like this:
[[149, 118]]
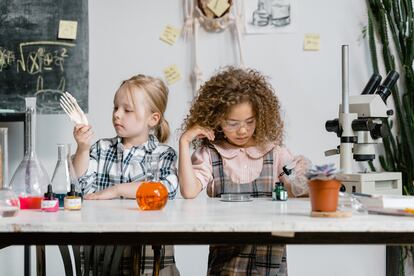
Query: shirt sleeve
[[87, 182], [168, 171], [202, 167]]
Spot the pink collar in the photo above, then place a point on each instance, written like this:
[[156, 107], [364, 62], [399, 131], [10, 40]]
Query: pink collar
[[230, 151]]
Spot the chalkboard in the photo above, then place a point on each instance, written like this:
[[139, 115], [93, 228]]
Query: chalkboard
[[34, 62]]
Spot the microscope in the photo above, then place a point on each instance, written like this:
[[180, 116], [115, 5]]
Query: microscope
[[360, 127]]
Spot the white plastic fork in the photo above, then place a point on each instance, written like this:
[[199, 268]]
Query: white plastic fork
[[72, 109]]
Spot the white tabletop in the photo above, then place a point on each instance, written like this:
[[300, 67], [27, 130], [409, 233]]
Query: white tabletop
[[199, 215]]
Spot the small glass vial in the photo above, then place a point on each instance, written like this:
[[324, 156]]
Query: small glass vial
[[50, 203], [260, 16], [72, 201], [283, 195]]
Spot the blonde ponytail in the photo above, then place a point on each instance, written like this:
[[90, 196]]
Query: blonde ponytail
[[162, 130]]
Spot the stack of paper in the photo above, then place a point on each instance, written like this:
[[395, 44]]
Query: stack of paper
[[387, 201]]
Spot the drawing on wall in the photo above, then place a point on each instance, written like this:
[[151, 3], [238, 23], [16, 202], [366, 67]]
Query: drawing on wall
[[270, 16], [34, 62]]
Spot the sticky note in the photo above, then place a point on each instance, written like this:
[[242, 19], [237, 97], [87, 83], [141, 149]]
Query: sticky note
[[218, 6], [170, 34], [172, 74], [67, 29], [311, 42]]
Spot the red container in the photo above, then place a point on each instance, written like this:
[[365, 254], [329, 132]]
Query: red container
[[324, 195]]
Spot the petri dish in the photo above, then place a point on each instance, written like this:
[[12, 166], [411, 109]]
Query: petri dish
[[235, 198]]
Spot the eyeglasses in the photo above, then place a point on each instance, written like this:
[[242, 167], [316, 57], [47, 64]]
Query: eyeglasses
[[231, 126]]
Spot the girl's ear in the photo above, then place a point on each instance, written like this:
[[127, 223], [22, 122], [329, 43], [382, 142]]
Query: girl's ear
[[154, 119]]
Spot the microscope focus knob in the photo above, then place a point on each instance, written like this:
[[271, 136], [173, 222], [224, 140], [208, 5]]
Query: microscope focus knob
[[379, 131], [362, 125], [390, 112], [333, 126]]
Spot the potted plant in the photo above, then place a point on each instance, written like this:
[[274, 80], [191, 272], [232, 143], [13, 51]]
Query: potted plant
[[323, 188]]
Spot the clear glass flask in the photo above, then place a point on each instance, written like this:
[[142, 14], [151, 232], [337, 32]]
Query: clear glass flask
[[64, 174], [30, 179], [9, 202]]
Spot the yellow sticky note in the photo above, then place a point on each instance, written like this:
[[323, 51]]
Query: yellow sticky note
[[172, 74], [170, 34], [67, 29], [218, 6], [312, 42]]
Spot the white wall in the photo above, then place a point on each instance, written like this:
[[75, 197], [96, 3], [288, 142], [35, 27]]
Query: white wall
[[124, 41]]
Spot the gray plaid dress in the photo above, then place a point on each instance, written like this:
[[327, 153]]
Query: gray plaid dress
[[237, 260]]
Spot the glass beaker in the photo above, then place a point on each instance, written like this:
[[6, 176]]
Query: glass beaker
[[280, 12], [64, 174], [151, 194], [9, 202], [30, 179]]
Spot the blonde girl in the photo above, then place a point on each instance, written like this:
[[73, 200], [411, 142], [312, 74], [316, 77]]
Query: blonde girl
[[113, 167]]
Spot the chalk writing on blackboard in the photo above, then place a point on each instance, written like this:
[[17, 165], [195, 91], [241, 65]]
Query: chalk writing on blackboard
[[35, 61]]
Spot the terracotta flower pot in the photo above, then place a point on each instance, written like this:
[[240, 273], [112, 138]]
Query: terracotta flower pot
[[324, 195]]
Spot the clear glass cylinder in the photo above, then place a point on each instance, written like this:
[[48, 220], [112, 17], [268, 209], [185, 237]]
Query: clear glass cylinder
[[64, 174], [9, 202], [30, 179], [151, 193]]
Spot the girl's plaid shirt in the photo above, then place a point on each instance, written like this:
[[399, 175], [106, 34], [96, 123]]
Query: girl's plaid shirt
[[110, 163]]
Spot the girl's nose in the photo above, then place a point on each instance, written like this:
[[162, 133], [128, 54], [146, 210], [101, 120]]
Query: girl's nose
[[117, 114], [242, 129]]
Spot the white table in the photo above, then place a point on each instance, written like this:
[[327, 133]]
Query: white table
[[201, 221]]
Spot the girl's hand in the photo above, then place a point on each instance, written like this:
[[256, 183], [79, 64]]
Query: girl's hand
[[83, 135], [303, 164], [197, 132], [109, 193]]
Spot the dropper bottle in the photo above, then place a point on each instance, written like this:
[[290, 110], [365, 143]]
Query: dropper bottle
[[72, 200], [49, 202]]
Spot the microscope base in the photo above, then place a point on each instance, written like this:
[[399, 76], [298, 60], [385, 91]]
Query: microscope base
[[383, 183]]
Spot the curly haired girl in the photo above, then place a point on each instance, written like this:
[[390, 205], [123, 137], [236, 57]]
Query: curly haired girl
[[236, 127]]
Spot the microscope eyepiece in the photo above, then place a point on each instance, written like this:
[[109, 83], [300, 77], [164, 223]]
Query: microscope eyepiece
[[372, 84], [384, 89]]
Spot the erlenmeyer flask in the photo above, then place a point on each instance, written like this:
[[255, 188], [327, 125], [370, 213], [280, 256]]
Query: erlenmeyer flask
[[9, 203], [64, 175], [30, 180]]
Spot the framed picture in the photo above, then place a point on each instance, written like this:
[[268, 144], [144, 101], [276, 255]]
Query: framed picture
[[270, 16]]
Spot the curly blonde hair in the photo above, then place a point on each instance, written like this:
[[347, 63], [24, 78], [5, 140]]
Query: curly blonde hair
[[233, 86]]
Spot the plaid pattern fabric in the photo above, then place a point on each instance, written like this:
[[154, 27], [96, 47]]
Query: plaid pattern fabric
[[111, 164], [226, 260], [135, 260]]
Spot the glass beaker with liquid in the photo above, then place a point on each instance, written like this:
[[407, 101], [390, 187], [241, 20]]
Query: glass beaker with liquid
[[9, 202], [151, 193], [64, 174], [30, 179]]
